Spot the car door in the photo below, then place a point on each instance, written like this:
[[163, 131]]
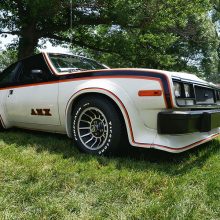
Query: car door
[[34, 100]]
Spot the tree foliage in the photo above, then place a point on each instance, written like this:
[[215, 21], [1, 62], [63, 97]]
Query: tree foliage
[[174, 35], [7, 57], [168, 34]]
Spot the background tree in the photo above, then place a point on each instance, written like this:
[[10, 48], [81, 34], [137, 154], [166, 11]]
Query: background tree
[[33, 20], [30, 20], [174, 35], [168, 34]]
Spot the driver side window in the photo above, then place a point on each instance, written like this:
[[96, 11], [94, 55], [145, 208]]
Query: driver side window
[[34, 71]]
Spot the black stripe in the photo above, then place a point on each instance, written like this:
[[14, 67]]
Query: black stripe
[[79, 75], [160, 76]]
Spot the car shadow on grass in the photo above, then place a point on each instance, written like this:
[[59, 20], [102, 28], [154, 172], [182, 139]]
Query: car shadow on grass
[[131, 158], [176, 164]]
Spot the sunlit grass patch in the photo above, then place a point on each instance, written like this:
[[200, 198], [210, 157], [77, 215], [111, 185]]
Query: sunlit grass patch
[[44, 177]]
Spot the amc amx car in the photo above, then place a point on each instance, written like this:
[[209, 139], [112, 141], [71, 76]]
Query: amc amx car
[[100, 108]]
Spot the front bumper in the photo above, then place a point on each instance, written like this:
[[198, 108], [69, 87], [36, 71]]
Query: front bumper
[[183, 122]]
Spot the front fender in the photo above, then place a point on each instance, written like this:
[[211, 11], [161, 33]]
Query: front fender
[[106, 88], [124, 93]]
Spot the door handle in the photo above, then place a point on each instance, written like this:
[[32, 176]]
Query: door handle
[[10, 92]]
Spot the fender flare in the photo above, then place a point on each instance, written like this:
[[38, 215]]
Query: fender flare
[[110, 95]]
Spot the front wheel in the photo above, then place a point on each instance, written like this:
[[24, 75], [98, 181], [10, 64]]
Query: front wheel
[[97, 126]]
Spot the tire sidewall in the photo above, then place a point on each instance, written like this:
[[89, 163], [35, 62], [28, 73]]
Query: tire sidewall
[[112, 118]]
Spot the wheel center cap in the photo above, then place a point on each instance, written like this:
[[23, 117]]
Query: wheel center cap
[[93, 128], [97, 128]]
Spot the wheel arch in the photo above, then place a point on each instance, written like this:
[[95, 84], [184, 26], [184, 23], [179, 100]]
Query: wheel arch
[[101, 93]]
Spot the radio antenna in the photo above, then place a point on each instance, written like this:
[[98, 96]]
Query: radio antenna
[[71, 28], [71, 23]]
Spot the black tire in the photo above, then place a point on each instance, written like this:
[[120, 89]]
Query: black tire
[[97, 126]]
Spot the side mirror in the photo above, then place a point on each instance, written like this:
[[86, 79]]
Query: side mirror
[[37, 75], [37, 72]]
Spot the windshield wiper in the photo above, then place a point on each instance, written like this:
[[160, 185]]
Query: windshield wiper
[[72, 70]]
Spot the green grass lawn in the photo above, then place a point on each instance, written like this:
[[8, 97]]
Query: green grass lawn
[[43, 177]]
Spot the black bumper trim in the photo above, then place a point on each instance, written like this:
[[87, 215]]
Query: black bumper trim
[[175, 122]]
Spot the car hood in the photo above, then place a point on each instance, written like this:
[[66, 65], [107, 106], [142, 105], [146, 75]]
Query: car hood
[[188, 76]]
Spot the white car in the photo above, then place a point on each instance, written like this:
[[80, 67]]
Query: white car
[[100, 108]]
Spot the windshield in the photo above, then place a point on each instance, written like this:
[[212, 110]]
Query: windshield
[[70, 63]]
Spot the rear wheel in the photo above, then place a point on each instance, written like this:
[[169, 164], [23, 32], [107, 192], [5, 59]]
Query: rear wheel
[[97, 126]]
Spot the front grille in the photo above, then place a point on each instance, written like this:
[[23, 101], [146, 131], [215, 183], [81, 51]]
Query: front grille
[[195, 94], [204, 95]]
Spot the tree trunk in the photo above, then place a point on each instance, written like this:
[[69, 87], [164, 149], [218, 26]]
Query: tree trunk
[[28, 42]]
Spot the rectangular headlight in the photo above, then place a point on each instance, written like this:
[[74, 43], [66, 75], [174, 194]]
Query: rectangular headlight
[[187, 90], [177, 89]]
